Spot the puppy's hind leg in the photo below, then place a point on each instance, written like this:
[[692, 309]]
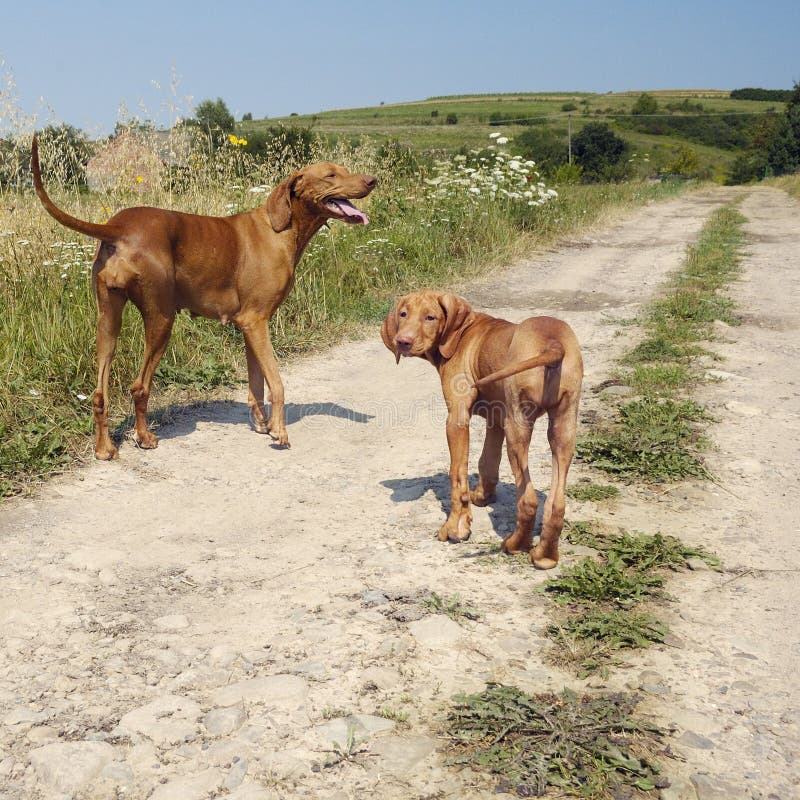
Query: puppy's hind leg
[[561, 433]]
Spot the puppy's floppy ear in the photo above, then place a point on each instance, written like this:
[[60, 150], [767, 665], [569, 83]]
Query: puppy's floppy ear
[[279, 204], [458, 317], [389, 331]]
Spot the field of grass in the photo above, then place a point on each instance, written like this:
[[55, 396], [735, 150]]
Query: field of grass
[[424, 124], [426, 230]]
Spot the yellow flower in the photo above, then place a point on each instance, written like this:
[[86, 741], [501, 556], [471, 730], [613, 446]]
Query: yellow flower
[[139, 179], [236, 141]]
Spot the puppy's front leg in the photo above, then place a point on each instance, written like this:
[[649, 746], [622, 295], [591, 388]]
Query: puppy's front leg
[[457, 526]]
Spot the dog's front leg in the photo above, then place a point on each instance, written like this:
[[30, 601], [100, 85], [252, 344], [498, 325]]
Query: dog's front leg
[[458, 525], [257, 338]]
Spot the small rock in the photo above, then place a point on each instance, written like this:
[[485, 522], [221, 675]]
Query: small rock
[[373, 597], [94, 559], [710, 788], [224, 721], [383, 677], [171, 622], [251, 791], [68, 766], [695, 740], [170, 719], [192, 787], [697, 564], [340, 730], [436, 631], [281, 691], [236, 775], [679, 789], [402, 755]]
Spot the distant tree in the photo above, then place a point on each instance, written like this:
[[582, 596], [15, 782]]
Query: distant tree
[[646, 104], [600, 153], [784, 148], [65, 151], [214, 117], [247, 117]]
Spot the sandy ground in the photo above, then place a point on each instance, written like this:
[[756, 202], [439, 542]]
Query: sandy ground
[[194, 621]]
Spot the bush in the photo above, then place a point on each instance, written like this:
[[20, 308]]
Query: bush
[[646, 104], [548, 148], [600, 153], [451, 119]]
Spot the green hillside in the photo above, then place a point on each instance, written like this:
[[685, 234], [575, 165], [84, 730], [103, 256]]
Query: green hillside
[[701, 119]]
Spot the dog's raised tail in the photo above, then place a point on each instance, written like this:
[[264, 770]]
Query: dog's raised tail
[[549, 357], [107, 233]]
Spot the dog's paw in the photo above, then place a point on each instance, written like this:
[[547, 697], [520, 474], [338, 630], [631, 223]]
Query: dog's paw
[[542, 559], [108, 453], [281, 438], [260, 427], [515, 543], [146, 440], [478, 498], [455, 532]]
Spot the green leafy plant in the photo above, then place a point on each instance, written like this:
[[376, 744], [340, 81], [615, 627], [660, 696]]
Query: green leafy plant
[[584, 746]]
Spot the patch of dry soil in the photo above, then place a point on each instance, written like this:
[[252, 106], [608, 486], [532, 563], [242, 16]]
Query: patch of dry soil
[[218, 617]]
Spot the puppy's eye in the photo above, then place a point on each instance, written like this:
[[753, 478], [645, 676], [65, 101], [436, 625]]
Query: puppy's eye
[[403, 313], [430, 318]]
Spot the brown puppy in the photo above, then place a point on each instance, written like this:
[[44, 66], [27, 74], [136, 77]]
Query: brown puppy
[[510, 375], [236, 268]]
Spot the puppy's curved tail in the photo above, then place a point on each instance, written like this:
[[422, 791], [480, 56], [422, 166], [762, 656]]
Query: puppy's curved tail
[[107, 233], [549, 357]]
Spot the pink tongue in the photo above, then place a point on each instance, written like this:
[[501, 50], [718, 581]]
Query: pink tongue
[[352, 213]]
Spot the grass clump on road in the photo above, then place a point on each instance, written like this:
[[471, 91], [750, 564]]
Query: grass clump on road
[[658, 436], [591, 747], [606, 604]]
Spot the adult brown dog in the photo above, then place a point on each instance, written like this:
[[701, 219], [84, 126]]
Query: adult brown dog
[[510, 375], [237, 268]]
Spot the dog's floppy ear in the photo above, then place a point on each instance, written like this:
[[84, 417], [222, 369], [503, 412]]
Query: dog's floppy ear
[[389, 331], [279, 204], [458, 317]]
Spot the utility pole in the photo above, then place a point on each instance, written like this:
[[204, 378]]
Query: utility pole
[[569, 135]]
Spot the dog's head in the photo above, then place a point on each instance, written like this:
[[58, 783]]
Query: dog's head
[[324, 190], [424, 323]]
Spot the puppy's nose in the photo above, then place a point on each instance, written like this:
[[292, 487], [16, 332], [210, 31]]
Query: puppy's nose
[[370, 181], [404, 343]]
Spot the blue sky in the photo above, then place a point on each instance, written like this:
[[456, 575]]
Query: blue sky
[[77, 62]]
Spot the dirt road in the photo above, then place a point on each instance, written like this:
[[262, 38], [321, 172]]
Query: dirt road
[[194, 621]]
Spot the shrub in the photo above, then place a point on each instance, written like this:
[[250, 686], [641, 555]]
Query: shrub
[[451, 119], [600, 153], [646, 104], [546, 146]]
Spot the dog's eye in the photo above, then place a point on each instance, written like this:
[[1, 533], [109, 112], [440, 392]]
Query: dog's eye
[[403, 313], [430, 318]]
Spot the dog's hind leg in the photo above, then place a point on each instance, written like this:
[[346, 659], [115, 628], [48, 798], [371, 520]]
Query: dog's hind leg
[[518, 430], [561, 433], [489, 464], [155, 300], [110, 304]]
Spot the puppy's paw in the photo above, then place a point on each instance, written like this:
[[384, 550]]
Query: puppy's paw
[[480, 498]]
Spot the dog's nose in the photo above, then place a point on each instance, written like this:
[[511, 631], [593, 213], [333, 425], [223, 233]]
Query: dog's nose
[[370, 181], [404, 343]]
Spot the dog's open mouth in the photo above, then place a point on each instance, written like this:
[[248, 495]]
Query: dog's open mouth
[[346, 212]]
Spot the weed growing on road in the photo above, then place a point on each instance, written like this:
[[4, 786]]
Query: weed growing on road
[[453, 607], [604, 604], [592, 747], [592, 491], [658, 436]]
